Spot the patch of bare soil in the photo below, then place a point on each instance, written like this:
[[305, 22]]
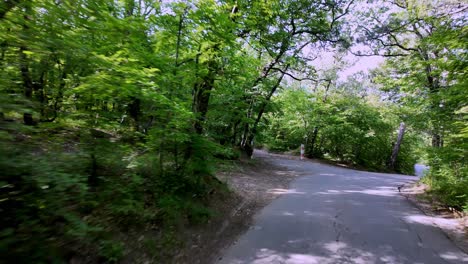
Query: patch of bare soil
[[254, 184], [452, 222]]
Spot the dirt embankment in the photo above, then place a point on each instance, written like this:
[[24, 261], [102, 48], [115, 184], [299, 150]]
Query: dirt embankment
[[254, 184]]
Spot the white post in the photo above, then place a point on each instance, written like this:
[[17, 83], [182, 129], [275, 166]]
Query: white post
[[302, 151]]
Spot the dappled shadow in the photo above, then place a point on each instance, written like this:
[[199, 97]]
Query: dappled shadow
[[391, 232], [329, 253], [334, 252], [443, 223], [413, 217], [305, 214], [284, 191], [385, 191], [336, 215]]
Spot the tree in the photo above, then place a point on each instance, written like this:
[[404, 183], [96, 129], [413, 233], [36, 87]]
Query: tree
[[353, 128], [400, 29], [424, 72], [397, 145], [281, 44]]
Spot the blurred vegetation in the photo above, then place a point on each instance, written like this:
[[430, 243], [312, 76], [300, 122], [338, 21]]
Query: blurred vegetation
[[60, 195]]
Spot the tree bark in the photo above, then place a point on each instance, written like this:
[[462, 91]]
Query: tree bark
[[437, 141], [134, 110], [201, 97], [247, 144], [311, 146], [397, 145]]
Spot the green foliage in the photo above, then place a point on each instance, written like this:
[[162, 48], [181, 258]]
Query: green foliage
[[448, 180], [171, 209], [35, 197], [111, 251], [343, 127], [49, 194], [449, 170], [226, 153], [174, 209], [431, 83], [112, 129]]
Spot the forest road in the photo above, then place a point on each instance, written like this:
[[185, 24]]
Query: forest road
[[336, 215]]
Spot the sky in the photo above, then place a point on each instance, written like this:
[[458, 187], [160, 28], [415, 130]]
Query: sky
[[362, 64], [356, 64]]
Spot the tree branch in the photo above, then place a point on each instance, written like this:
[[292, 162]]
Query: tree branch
[[292, 76], [378, 54]]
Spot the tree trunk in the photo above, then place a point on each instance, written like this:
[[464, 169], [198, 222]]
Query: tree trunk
[[234, 132], [396, 146], [61, 88], [134, 110], [311, 146], [434, 87], [437, 141], [27, 84], [247, 144], [201, 98]]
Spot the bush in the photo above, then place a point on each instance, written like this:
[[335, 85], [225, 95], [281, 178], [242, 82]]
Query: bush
[[60, 188], [43, 191], [174, 210], [448, 177], [111, 250]]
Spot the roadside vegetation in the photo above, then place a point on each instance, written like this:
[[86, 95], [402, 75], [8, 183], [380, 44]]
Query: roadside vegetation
[[114, 114], [342, 126]]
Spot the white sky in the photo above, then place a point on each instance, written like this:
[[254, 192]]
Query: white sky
[[362, 64], [354, 64]]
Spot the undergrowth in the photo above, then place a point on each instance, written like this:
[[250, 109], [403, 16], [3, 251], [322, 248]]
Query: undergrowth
[[66, 194]]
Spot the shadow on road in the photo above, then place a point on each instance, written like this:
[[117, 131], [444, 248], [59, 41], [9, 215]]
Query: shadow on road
[[335, 215]]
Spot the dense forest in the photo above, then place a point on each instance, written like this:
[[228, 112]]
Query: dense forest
[[114, 113]]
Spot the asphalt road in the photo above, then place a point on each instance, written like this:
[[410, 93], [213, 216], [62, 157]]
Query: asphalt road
[[420, 169], [337, 215]]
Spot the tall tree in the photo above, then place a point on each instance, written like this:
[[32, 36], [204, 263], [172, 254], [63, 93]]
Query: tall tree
[[281, 37], [400, 29]]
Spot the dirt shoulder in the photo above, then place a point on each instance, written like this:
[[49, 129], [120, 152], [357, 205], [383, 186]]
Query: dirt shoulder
[[253, 184], [453, 223]]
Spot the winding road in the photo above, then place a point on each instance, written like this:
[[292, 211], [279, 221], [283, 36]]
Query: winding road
[[334, 215]]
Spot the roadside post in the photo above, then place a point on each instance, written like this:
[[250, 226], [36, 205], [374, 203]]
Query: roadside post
[[302, 151]]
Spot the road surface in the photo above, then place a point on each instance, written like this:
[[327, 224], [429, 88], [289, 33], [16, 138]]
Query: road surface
[[334, 215], [420, 169]]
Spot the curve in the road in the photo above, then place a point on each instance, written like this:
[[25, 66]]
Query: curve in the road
[[335, 215]]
